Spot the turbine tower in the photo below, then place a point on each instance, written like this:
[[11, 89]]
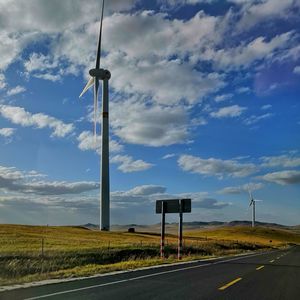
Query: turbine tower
[[252, 202], [96, 75]]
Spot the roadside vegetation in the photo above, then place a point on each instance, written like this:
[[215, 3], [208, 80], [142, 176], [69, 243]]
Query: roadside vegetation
[[29, 253]]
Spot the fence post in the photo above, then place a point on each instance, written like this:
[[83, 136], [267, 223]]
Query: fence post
[[42, 247]]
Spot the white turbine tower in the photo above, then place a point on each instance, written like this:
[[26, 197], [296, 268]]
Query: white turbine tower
[[101, 74], [252, 202]]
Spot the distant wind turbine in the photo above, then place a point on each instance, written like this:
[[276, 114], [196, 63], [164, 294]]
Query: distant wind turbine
[[252, 202], [97, 74]]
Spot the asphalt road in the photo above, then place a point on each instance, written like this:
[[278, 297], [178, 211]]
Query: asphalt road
[[273, 275]]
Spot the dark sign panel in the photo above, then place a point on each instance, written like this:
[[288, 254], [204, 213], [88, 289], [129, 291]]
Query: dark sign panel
[[173, 206]]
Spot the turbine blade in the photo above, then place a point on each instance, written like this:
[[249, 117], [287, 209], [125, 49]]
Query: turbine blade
[[98, 57], [87, 86], [249, 191], [96, 87]]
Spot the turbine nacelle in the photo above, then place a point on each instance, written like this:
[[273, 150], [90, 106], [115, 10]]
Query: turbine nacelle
[[100, 73]]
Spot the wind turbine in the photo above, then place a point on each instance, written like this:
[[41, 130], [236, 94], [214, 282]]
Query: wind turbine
[[252, 202], [96, 75]]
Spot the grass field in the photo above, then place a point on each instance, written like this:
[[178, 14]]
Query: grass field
[[261, 235], [29, 253]]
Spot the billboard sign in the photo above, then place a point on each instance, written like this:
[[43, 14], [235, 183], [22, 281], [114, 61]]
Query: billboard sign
[[173, 206]]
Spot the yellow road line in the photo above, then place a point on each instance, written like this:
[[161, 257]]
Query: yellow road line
[[259, 268], [271, 261], [229, 284]]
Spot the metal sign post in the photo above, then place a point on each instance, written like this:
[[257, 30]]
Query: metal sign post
[[162, 240], [180, 230], [172, 206]]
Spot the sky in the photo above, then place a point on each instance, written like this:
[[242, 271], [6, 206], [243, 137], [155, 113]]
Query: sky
[[204, 103]]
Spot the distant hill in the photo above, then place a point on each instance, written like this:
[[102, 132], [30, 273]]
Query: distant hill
[[90, 226], [265, 224], [188, 226]]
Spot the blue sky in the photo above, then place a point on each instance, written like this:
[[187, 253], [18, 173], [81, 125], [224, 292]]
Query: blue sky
[[204, 102]]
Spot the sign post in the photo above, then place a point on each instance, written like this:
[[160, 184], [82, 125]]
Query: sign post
[[162, 237], [180, 231], [172, 206]]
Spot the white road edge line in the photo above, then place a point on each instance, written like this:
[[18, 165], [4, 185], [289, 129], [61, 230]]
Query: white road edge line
[[141, 277]]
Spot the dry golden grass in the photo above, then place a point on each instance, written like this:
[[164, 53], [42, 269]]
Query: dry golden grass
[[75, 251], [16, 239], [261, 235]]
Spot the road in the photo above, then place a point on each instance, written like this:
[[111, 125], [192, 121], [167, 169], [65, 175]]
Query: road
[[272, 275]]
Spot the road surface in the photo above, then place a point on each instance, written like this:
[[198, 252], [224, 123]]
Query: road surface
[[272, 275]]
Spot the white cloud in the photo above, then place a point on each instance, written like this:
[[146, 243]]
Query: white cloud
[[297, 70], [223, 97], [176, 3], [39, 62], [241, 189], [244, 55], [144, 197], [50, 77], [10, 173], [128, 164], [285, 161], [215, 167], [283, 177], [129, 206], [16, 90], [255, 12], [47, 207], [170, 155], [266, 107], [59, 187], [140, 60], [202, 200], [14, 180], [2, 81], [54, 16], [156, 79], [150, 33], [10, 47], [33, 20], [243, 90], [228, 111], [209, 203], [87, 141], [150, 125], [18, 115], [146, 190], [48, 67], [255, 119], [13, 42], [7, 132], [240, 1], [291, 54]]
